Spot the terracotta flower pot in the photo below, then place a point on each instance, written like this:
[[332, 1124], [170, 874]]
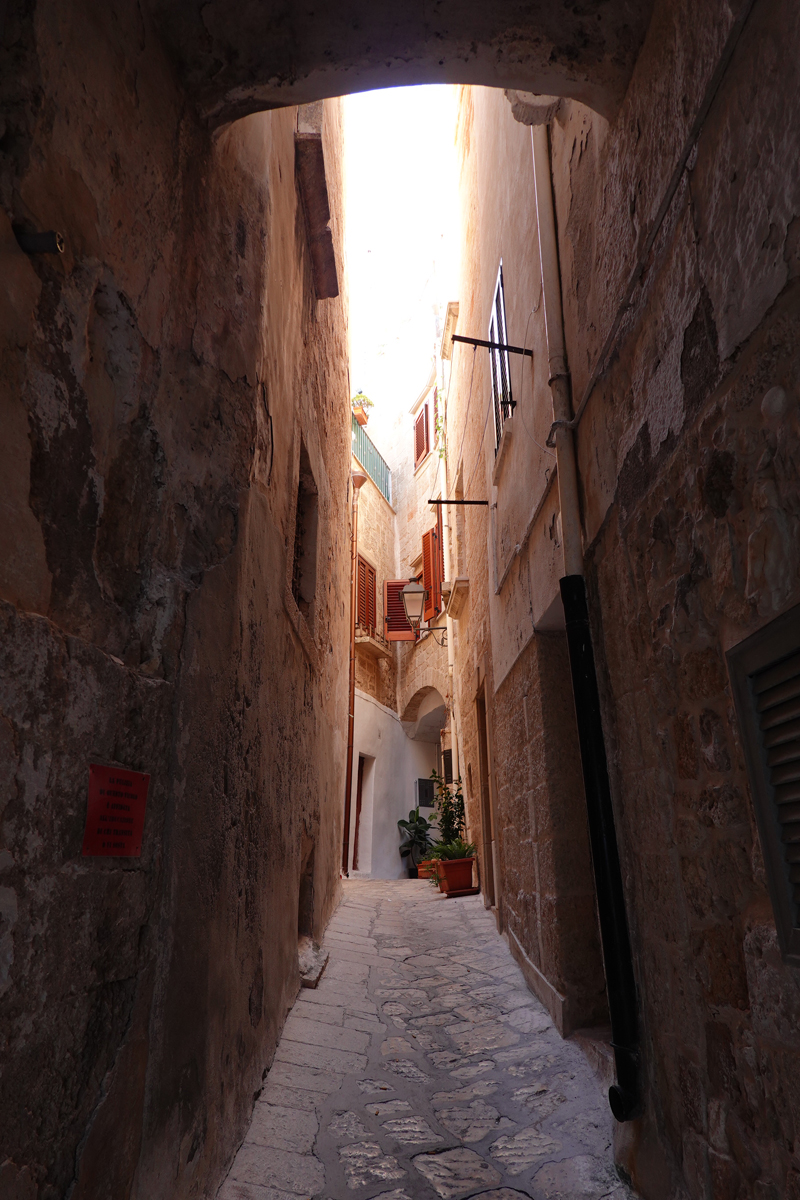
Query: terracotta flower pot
[[360, 414], [427, 868], [455, 874]]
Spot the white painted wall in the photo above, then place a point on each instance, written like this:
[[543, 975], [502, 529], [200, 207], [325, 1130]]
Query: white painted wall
[[394, 761]]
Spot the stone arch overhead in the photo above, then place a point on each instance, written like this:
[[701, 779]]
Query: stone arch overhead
[[429, 680], [262, 54]]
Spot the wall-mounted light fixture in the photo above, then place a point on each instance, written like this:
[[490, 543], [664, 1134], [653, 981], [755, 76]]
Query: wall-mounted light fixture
[[40, 243], [413, 596]]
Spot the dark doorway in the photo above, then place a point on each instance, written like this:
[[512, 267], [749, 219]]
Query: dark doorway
[[359, 797], [487, 814]]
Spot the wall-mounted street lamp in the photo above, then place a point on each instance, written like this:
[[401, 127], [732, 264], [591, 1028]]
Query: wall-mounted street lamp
[[413, 595]]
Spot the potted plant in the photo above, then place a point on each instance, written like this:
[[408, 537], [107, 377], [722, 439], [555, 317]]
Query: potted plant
[[418, 840], [450, 815], [455, 865], [361, 406], [453, 856]]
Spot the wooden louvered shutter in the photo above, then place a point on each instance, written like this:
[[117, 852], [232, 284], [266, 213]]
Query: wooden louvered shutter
[[429, 573], [435, 416], [366, 596], [765, 673], [395, 621], [777, 693], [439, 558], [421, 436], [370, 598], [361, 607]]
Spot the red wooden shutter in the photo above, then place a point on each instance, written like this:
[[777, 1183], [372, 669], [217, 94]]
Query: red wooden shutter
[[370, 589], [361, 607], [421, 436], [365, 609], [395, 621], [429, 573]]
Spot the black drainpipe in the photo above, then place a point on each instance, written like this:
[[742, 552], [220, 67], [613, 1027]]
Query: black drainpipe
[[624, 1096]]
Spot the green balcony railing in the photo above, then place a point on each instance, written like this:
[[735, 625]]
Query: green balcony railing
[[372, 461]]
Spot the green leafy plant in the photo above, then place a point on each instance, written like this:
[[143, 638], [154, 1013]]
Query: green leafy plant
[[458, 848], [450, 814], [417, 833], [362, 401]]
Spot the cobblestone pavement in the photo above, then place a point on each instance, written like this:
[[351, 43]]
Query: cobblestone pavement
[[422, 1068]]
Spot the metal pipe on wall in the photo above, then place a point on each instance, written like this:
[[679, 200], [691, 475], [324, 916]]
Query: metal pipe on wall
[[624, 1096], [358, 479]]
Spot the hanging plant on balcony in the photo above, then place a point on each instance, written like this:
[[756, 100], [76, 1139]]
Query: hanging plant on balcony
[[361, 405]]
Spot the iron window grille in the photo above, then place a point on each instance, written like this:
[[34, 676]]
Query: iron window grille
[[502, 400], [765, 674]]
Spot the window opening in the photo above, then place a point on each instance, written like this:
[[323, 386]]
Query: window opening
[[421, 441], [366, 596], [502, 401], [447, 765], [432, 572], [304, 565], [395, 621], [765, 672]]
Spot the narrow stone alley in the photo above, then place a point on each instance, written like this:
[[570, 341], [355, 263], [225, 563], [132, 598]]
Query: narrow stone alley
[[421, 1067]]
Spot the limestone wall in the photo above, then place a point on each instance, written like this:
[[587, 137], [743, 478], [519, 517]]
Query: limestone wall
[[543, 889], [377, 675], [157, 380], [690, 513]]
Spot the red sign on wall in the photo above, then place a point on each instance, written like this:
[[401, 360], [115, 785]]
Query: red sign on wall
[[115, 812]]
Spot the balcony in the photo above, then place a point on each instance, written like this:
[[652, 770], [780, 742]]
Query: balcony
[[372, 461]]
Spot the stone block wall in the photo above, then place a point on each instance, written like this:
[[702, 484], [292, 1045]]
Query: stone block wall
[[157, 382], [691, 514], [688, 461], [377, 542], [543, 888]]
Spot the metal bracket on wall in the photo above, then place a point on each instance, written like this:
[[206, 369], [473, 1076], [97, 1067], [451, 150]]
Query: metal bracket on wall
[[492, 345]]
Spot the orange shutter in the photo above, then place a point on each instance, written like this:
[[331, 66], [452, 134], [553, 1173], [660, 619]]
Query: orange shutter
[[421, 436], [395, 621], [429, 573], [365, 609], [361, 607], [370, 598]]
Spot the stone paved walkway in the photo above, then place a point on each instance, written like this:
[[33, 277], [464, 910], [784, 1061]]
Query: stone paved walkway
[[422, 1068]]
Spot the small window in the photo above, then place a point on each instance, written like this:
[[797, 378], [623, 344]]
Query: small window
[[765, 672], [421, 440], [395, 621], [502, 401], [432, 570], [433, 567], [447, 765], [366, 596], [423, 793], [304, 563]]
